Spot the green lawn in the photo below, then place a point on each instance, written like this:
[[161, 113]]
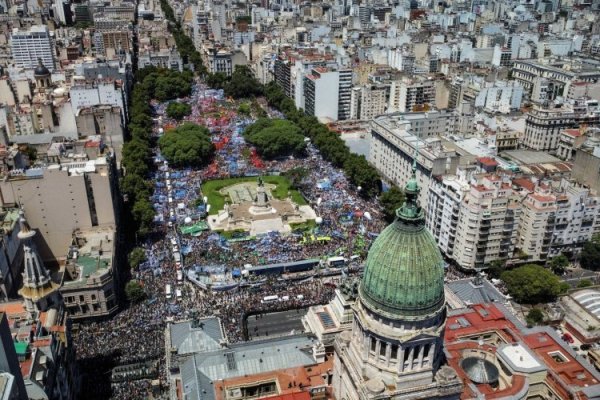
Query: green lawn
[[216, 200]]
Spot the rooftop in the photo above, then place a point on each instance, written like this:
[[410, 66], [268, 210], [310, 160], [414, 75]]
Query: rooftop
[[530, 157], [200, 372], [475, 291], [520, 358], [194, 337], [91, 259], [524, 350]]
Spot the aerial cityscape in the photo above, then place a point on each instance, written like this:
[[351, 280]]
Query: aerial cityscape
[[299, 200]]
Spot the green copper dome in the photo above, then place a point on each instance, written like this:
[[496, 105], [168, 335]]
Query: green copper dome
[[404, 272]]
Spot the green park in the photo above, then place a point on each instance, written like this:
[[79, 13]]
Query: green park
[[216, 198]]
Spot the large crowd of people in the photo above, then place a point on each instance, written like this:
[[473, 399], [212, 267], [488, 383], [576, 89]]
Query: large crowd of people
[[137, 334]]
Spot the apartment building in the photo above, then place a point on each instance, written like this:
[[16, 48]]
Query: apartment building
[[367, 102], [321, 92], [586, 165], [487, 221], [344, 94], [393, 147], [538, 219], [411, 94], [445, 197], [291, 67], [576, 219], [72, 192], [568, 141], [218, 60], [561, 72], [28, 46], [88, 287], [543, 126]]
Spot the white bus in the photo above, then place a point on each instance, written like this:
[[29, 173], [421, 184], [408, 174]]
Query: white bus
[[179, 276], [168, 292], [178, 294], [269, 299]]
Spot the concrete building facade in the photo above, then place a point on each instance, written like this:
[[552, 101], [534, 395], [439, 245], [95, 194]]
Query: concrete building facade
[[29, 46], [61, 199], [487, 221]]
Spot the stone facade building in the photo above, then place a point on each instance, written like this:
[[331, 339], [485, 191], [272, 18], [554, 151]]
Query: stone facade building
[[395, 347]]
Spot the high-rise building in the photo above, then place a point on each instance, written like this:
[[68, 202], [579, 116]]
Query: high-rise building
[[445, 197], [544, 125], [29, 46], [396, 138], [367, 102], [487, 221], [395, 348], [63, 198], [321, 90], [344, 94], [408, 94]]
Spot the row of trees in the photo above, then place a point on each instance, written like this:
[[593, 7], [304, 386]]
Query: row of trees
[[241, 83], [165, 84], [358, 171], [275, 138], [151, 83], [185, 45], [189, 145]]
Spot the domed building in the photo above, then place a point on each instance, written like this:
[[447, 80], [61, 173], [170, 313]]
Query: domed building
[[42, 76], [395, 346]]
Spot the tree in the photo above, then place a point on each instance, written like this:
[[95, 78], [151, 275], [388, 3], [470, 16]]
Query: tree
[[217, 80], [532, 284], [134, 292], [178, 110], [535, 316], [362, 175], [558, 264], [391, 201], [275, 138], [136, 257], [584, 283], [187, 145], [244, 109], [136, 187], [242, 83], [143, 213], [590, 256], [495, 269]]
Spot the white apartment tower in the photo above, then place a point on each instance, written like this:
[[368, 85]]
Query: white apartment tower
[[446, 194], [321, 93], [29, 46], [487, 221]]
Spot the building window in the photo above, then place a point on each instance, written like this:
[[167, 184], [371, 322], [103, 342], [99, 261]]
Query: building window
[[382, 348], [394, 354], [373, 344]]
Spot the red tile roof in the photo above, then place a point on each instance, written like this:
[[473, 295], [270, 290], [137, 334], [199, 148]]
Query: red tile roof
[[565, 377], [488, 161]]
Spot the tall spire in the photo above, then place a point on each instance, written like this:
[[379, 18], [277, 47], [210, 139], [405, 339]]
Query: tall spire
[[37, 283]]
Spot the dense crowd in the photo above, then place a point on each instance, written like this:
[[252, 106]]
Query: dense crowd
[[137, 333]]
